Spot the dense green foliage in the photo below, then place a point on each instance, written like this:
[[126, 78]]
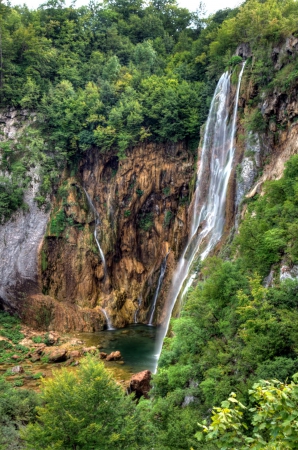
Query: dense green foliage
[[114, 74], [233, 332], [102, 74], [17, 408], [273, 418], [85, 410], [269, 232], [10, 327]]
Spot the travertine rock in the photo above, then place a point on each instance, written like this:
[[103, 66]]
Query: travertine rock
[[142, 207]]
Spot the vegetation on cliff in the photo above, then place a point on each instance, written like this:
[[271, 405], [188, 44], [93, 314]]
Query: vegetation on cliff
[[115, 74]]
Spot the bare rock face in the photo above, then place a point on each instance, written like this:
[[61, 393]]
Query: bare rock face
[[283, 150], [22, 235], [244, 50], [281, 52], [45, 313], [248, 167], [288, 273], [140, 213], [140, 384]]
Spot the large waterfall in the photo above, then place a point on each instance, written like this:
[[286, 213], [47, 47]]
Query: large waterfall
[[214, 170]]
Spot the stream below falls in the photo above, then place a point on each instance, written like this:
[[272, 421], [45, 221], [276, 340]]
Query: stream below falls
[[136, 344]]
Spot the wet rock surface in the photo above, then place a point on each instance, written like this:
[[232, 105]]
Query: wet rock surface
[[142, 214]]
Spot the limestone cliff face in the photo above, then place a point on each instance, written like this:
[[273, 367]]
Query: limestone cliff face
[[141, 206], [22, 235]]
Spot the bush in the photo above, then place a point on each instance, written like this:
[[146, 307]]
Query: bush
[[85, 409], [17, 408]]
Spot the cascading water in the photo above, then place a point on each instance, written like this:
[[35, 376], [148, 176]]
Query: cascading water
[[210, 196], [109, 323], [160, 280], [97, 222]]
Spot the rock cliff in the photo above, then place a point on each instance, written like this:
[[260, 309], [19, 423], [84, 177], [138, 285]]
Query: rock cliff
[[141, 216], [94, 261]]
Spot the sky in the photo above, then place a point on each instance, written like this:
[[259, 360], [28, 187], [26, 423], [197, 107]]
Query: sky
[[210, 5]]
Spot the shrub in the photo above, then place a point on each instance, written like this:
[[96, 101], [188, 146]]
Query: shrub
[[84, 409]]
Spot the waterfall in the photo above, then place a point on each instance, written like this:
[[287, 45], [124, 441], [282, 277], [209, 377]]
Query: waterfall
[[97, 222], [109, 323], [214, 170], [160, 280]]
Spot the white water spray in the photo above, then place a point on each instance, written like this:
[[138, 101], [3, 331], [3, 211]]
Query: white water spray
[[109, 323], [214, 171], [97, 222], [160, 280]]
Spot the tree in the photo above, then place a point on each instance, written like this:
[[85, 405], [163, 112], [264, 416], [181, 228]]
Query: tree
[[16, 409], [82, 410], [271, 424]]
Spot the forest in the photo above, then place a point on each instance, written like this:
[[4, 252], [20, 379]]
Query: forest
[[110, 75]]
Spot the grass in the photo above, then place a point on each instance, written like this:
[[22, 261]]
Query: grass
[[10, 327]]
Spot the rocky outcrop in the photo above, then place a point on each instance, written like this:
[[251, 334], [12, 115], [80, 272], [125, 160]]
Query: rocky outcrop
[[284, 51], [278, 156], [243, 50], [114, 356], [43, 312], [140, 384], [142, 206]]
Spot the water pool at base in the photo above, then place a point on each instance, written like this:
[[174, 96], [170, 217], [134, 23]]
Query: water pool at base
[[136, 344]]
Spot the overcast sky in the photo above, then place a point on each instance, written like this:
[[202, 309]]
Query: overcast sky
[[192, 5]]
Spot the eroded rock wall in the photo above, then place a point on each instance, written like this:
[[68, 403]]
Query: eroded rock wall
[[142, 203]]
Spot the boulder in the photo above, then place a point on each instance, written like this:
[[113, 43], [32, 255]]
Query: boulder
[[140, 384], [75, 341], [35, 357], [74, 354], [52, 338], [17, 369], [91, 350], [114, 356], [56, 355]]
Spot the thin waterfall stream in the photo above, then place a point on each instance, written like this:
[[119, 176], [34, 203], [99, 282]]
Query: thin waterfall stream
[[97, 222], [109, 323], [160, 280], [214, 170]]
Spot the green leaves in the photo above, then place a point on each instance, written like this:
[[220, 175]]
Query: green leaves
[[273, 421], [84, 409], [268, 232]]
